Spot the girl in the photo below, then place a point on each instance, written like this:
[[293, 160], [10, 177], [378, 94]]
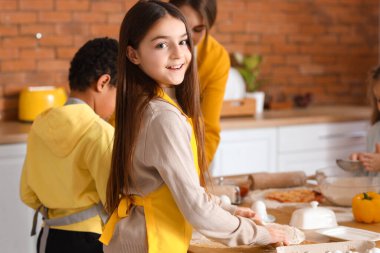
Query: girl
[[213, 66], [371, 161], [154, 192]]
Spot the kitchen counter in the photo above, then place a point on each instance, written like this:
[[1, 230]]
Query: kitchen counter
[[283, 217], [16, 132], [298, 116]]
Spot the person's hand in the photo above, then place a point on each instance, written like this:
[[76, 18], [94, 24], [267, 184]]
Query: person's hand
[[246, 212], [370, 161], [279, 236], [354, 156]]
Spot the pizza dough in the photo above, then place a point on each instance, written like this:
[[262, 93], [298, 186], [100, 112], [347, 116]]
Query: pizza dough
[[296, 195]]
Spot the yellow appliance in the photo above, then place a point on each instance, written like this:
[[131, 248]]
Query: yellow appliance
[[34, 100]]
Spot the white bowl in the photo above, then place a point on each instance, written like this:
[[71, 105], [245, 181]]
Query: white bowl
[[341, 190]]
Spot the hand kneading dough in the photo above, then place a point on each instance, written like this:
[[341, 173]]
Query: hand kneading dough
[[295, 236]]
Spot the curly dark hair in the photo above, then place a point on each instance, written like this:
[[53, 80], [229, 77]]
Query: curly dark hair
[[95, 58]]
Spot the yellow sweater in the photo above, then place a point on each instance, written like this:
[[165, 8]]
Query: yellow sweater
[[213, 66], [67, 163]]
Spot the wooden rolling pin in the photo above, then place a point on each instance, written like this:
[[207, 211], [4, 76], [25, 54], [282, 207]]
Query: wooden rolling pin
[[267, 180]]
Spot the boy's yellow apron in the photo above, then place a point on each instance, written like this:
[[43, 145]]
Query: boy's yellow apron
[[167, 229]]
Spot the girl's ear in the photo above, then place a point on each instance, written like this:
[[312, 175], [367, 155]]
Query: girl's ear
[[103, 82], [133, 55]]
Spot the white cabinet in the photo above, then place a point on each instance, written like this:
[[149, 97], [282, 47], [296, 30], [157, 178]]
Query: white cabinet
[[316, 146], [15, 217], [304, 147], [245, 151]]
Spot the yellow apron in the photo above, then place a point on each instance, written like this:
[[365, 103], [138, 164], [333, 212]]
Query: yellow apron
[[167, 230]]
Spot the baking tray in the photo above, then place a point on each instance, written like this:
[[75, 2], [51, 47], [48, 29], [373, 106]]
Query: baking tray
[[358, 246], [348, 233]]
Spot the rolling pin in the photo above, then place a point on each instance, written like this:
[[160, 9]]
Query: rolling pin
[[265, 180]]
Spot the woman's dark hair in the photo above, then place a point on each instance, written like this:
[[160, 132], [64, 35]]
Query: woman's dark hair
[[206, 8], [94, 59], [374, 80], [134, 91]]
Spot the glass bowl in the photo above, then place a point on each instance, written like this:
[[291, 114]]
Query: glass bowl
[[341, 189]]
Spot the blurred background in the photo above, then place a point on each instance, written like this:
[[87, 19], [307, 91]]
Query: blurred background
[[322, 47]]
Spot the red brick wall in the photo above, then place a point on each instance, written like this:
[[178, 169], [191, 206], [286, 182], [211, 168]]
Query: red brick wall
[[321, 46]]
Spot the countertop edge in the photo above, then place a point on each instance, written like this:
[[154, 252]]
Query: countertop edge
[[13, 132]]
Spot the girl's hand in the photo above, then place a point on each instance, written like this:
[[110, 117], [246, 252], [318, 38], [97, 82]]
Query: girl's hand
[[246, 212], [279, 236], [370, 161]]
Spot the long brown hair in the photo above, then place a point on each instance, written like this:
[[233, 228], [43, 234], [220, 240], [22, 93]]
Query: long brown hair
[[134, 91], [374, 80]]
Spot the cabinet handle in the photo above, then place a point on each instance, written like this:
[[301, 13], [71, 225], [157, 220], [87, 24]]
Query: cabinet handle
[[358, 135], [331, 136], [352, 135]]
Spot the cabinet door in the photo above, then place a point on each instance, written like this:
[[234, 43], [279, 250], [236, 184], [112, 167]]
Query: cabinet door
[[310, 161], [321, 136], [245, 151], [312, 147], [16, 218]]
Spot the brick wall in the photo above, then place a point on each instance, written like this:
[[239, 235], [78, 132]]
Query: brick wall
[[324, 47]]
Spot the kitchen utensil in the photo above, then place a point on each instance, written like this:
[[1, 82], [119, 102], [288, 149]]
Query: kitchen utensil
[[350, 165], [332, 171], [34, 100], [261, 210], [348, 233], [340, 190], [313, 217], [266, 180]]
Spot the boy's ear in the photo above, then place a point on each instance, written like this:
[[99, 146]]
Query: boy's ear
[[133, 55], [103, 82]]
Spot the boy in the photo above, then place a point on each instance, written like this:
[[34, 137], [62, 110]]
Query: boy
[[69, 152]]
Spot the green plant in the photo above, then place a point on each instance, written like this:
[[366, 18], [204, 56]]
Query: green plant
[[249, 68]]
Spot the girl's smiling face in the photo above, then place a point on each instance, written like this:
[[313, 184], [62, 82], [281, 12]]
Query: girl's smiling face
[[163, 54]]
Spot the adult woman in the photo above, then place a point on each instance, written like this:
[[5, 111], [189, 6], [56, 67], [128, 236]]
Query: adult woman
[[213, 66]]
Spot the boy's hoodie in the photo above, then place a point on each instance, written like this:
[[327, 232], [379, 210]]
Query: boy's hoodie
[[67, 163]]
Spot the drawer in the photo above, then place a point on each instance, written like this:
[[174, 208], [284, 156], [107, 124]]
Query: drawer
[[321, 136], [245, 151], [311, 160]]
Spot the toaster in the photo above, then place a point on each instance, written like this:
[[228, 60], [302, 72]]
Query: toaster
[[34, 100]]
